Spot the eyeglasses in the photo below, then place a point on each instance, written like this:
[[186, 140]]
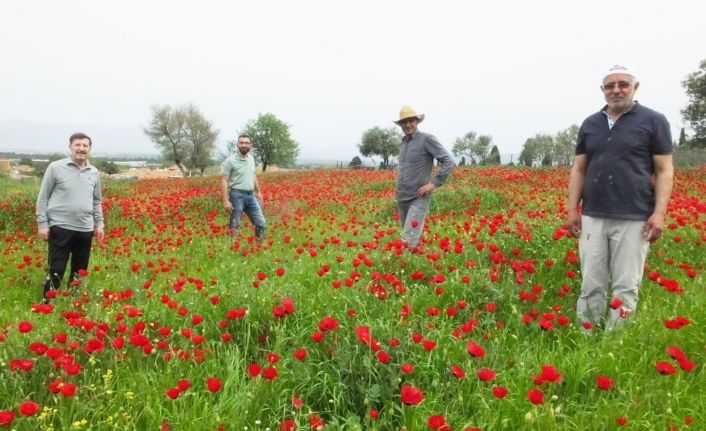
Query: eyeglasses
[[610, 86]]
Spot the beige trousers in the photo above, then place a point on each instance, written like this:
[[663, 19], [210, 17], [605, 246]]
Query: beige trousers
[[612, 254]]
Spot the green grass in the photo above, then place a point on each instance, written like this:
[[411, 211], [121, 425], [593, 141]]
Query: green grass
[[342, 220]]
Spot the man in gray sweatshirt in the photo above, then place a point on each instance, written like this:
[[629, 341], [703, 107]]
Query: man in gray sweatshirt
[[69, 212], [415, 183]]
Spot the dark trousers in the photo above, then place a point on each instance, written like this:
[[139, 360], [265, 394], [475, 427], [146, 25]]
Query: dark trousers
[[62, 243]]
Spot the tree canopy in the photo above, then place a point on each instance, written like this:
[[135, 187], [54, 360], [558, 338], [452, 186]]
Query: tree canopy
[[473, 146], [272, 143], [565, 145], [547, 150], [355, 163], [381, 142], [538, 150], [184, 135], [494, 156], [695, 111]]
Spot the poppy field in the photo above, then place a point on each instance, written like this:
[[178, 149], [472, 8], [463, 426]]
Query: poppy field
[[332, 323]]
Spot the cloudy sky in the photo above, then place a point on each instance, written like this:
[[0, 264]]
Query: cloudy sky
[[332, 69]]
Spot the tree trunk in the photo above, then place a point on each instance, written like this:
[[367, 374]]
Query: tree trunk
[[264, 166], [181, 168]]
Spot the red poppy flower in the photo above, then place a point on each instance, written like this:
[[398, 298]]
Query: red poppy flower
[[535, 396], [183, 384], [622, 421], [288, 425], [21, 364], [665, 368], [68, 389], [297, 402], [254, 370], [676, 323], [500, 391], [24, 326], [316, 422], [269, 373], [328, 323], [172, 393], [383, 357], [676, 353], [549, 374], [604, 382], [407, 368], [272, 357], [438, 422], [616, 303], [214, 385], [301, 354], [686, 364], [475, 350], [6, 417], [458, 371], [486, 374], [28, 408], [411, 395]]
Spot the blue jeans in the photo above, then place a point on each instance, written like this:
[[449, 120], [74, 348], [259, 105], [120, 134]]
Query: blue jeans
[[246, 202]]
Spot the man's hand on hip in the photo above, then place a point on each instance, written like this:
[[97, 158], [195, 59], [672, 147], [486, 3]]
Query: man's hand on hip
[[426, 189]]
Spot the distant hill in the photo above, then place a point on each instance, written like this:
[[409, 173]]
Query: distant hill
[[22, 136]]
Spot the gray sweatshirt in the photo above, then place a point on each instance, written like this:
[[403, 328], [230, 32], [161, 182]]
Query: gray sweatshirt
[[417, 154], [70, 197]]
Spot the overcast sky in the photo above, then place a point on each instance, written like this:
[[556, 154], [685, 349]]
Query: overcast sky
[[332, 69]]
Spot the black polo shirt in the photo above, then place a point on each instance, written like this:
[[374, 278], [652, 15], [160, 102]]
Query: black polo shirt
[[618, 182]]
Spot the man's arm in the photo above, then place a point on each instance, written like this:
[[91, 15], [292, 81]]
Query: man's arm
[[224, 191], [664, 179], [446, 166], [45, 191], [98, 209], [258, 190], [576, 180]]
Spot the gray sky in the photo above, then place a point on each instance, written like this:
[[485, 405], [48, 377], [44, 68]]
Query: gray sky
[[332, 69]]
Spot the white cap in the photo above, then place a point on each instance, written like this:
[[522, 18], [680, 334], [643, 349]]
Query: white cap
[[620, 69]]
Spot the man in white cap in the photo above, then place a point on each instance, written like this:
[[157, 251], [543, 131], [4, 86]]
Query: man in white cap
[[415, 183], [618, 150]]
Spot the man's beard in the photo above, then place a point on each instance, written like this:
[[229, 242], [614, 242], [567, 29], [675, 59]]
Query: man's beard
[[620, 105], [244, 151]]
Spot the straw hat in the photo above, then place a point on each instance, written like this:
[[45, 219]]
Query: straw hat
[[408, 112]]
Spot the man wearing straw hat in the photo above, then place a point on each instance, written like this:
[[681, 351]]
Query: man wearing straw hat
[[415, 183], [618, 151]]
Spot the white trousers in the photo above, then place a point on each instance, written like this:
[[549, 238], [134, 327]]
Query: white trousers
[[412, 215], [612, 254]]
